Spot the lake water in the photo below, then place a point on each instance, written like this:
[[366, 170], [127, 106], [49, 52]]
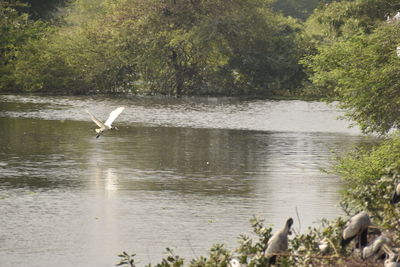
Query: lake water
[[179, 173]]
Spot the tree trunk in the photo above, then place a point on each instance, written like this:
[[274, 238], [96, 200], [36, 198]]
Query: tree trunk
[[178, 74]]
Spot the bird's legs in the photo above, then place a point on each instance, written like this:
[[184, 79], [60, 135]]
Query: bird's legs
[[362, 239]]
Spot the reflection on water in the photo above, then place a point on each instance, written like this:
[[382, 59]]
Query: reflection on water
[[179, 173], [222, 113]]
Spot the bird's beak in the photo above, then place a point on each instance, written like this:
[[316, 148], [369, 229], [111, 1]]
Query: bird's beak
[[115, 128]]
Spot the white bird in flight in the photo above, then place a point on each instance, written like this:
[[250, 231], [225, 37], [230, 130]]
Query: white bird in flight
[[106, 125]]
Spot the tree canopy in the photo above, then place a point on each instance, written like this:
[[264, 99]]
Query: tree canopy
[[355, 60], [176, 47], [41, 9], [363, 73], [301, 9], [15, 30]]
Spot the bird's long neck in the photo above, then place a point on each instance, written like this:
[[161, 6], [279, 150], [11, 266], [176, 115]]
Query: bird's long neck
[[285, 230]]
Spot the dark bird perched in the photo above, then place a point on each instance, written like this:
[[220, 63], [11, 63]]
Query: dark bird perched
[[357, 226], [278, 242], [396, 195]]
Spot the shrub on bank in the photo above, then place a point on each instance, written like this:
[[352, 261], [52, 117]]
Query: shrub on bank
[[371, 175], [304, 250]]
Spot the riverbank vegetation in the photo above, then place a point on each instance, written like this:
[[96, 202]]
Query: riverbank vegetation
[[161, 47], [230, 48]]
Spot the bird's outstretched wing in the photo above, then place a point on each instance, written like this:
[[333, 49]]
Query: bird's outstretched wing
[[113, 115], [97, 121]]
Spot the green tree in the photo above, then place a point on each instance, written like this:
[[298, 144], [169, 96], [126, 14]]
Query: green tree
[[15, 30], [41, 9], [351, 58], [296, 8], [77, 58], [363, 74], [165, 47], [217, 47], [340, 20], [371, 173]]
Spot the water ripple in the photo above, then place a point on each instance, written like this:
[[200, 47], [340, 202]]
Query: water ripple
[[217, 113]]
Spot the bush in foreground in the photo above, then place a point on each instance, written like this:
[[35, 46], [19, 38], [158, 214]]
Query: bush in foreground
[[304, 250]]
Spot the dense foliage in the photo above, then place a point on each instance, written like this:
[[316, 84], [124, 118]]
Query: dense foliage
[[42, 9], [164, 47], [340, 20], [371, 175], [355, 60], [304, 250], [15, 30], [362, 72], [201, 47], [296, 8]]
